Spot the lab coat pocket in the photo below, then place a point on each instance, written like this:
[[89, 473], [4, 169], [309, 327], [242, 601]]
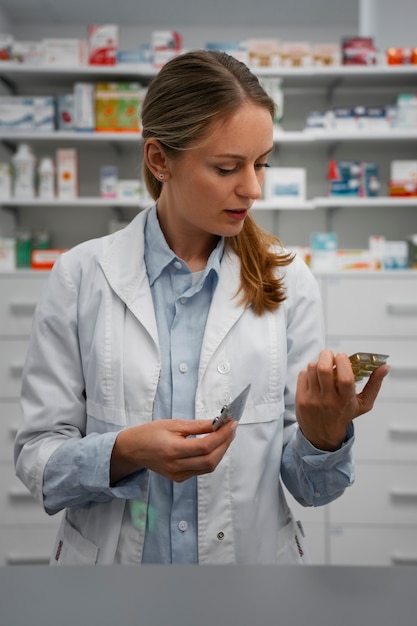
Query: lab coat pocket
[[71, 548], [291, 547]]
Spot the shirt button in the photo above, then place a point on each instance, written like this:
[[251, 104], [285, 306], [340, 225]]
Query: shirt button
[[183, 367], [220, 535], [183, 526], [183, 300], [178, 265], [223, 367]]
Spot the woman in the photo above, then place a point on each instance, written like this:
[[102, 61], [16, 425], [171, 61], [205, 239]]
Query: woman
[[142, 336]]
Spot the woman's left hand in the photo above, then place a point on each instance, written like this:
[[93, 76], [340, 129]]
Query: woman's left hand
[[326, 399]]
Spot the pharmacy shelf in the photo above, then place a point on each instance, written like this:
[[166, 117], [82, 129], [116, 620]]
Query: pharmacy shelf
[[284, 205], [85, 201], [381, 201], [260, 205], [303, 137], [325, 75], [72, 136], [314, 137]]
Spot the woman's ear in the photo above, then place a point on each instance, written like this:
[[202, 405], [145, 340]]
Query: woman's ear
[[156, 159]]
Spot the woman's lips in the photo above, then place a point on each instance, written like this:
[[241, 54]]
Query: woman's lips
[[237, 214]]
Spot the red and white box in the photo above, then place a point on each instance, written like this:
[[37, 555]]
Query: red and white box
[[103, 44]]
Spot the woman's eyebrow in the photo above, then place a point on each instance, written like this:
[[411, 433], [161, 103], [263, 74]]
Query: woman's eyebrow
[[231, 155]]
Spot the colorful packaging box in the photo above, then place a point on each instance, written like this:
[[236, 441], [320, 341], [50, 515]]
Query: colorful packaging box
[[353, 178], [65, 111], [67, 173], [358, 51], [129, 106], [106, 107], [103, 43], [165, 45], [323, 251], [403, 178], [6, 47]]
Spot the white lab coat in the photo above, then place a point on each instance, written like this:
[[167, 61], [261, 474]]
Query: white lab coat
[[101, 337]]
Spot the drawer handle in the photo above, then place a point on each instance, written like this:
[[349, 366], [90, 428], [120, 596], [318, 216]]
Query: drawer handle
[[20, 559], [23, 308], [16, 370], [402, 308], [404, 494], [13, 430], [20, 493], [403, 432], [402, 559], [403, 370]]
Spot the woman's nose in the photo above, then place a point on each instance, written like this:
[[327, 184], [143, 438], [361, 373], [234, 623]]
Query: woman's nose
[[250, 186]]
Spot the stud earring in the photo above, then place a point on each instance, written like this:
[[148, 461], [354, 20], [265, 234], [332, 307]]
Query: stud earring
[[161, 176]]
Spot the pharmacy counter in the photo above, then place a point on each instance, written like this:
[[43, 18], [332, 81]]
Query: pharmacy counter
[[208, 596]]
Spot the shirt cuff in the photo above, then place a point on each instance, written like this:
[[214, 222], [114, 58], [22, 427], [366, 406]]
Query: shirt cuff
[[306, 449]]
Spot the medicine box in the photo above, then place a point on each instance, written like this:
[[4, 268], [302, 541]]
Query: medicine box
[[65, 52], [44, 113], [285, 183], [7, 254], [165, 45], [403, 178], [84, 115], [103, 43], [106, 106], [16, 113], [67, 173], [323, 248], [65, 111]]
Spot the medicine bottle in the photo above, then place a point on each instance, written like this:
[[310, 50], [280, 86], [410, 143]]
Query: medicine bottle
[[46, 178], [23, 162]]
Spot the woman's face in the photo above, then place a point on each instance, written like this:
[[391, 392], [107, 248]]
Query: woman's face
[[211, 187]]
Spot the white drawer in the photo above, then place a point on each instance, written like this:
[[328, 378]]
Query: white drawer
[[370, 305], [19, 297], [401, 382], [21, 545], [387, 433], [17, 505], [12, 359], [10, 416], [373, 546], [383, 494]]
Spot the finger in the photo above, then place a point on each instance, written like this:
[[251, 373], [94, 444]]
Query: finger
[[369, 393], [325, 369]]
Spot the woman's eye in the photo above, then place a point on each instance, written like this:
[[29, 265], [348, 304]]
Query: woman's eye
[[224, 171], [262, 165]]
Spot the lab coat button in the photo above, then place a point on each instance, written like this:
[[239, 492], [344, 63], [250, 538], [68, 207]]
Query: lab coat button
[[183, 526], [183, 367], [220, 535], [223, 367]]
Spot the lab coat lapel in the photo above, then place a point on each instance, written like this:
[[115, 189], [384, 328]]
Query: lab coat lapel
[[225, 309], [124, 267]]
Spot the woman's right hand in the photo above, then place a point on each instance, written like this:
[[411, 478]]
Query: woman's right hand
[[170, 447]]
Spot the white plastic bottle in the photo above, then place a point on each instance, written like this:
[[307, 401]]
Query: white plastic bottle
[[46, 178], [23, 162]]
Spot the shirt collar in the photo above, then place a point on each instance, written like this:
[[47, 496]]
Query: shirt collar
[[158, 255]]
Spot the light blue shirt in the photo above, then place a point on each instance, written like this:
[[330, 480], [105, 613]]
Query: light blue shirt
[[181, 301], [77, 472]]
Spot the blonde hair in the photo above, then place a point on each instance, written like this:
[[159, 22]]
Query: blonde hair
[[188, 93]]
